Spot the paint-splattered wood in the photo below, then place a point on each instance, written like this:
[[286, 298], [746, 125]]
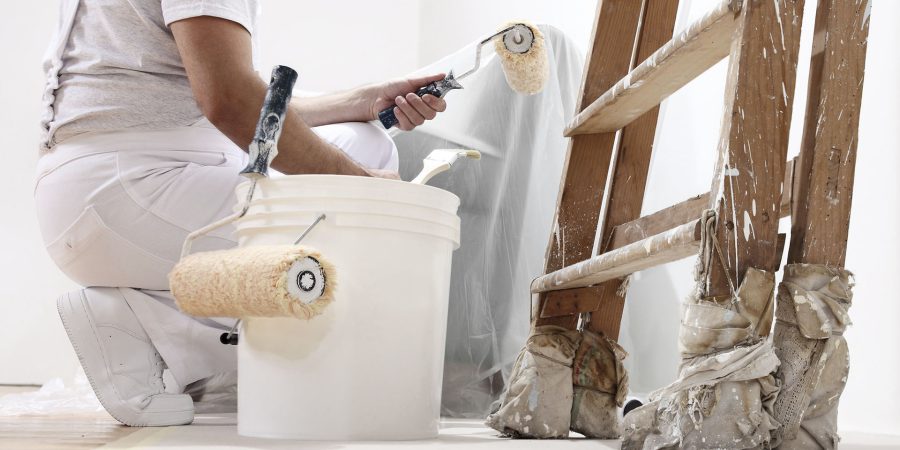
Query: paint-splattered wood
[[652, 240], [629, 177], [828, 150], [587, 160], [663, 71], [680, 242], [655, 223], [681, 213], [779, 252], [631, 166], [747, 186]]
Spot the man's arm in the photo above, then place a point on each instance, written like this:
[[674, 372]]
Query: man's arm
[[217, 56], [363, 104]]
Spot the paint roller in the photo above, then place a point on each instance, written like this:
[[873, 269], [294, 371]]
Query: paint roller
[[520, 47], [255, 281]]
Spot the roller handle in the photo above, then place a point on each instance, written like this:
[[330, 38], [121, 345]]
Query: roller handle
[[389, 119], [263, 147]]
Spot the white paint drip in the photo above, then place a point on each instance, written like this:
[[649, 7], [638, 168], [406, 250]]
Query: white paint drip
[[748, 227], [780, 24]]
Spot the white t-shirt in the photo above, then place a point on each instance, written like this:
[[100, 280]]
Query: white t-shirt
[[114, 65]]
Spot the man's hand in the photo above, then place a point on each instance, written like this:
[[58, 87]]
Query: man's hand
[[379, 173], [411, 111]]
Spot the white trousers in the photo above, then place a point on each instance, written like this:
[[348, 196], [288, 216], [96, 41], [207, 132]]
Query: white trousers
[[114, 209]]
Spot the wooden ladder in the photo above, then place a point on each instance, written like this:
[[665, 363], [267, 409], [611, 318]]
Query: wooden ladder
[[633, 65]]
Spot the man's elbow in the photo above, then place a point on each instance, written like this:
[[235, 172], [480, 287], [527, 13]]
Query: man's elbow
[[232, 107], [217, 109]]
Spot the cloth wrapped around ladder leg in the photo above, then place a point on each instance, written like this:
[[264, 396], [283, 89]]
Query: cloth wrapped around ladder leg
[[537, 402], [725, 393], [600, 384], [726, 388], [255, 281], [563, 379], [812, 313]]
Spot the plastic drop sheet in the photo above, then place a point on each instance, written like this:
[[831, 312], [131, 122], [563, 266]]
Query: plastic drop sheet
[[508, 201], [54, 397]]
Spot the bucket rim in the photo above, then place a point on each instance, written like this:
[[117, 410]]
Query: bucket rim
[[348, 179], [256, 229], [448, 220], [261, 202]]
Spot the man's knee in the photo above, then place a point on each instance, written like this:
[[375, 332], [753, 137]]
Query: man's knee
[[367, 144]]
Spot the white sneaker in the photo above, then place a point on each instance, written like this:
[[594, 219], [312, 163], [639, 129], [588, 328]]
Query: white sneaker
[[123, 367]]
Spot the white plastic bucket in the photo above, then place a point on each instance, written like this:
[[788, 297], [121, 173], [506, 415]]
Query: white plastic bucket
[[371, 366]]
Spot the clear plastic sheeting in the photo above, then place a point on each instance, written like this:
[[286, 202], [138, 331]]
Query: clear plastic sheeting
[[54, 397], [508, 204], [59, 396]]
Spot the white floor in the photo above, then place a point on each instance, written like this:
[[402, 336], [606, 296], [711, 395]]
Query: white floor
[[219, 432]]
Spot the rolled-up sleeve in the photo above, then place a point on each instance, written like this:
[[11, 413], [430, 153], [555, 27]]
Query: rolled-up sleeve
[[239, 11]]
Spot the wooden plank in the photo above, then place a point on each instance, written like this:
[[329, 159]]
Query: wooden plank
[[746, 189], [629, 176], [587, 159], [821, 218], [632, 165], [662, 220], [787, 194], [663, 71], [659, 223], [779, 250], [677, 243], [681, 213]]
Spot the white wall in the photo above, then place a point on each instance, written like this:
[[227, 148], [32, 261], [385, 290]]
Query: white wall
[[344, 43], [446, 26], [33, 346], [340, 44]]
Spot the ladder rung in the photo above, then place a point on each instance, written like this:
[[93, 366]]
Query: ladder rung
[[664, 236], [672, 245], [685, 212], [675, 64]]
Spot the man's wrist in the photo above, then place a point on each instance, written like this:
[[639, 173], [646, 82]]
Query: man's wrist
[[363, 99], [354, 105]]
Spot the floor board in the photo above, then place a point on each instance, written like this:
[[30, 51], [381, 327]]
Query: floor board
[[96, 429], [57, 431]]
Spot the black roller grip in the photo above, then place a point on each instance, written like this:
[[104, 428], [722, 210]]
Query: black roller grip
[[229, 338], [387, 117], [271, 121]]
